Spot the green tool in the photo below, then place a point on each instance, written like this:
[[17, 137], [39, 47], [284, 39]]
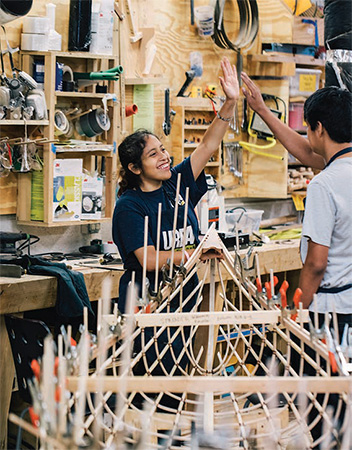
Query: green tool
[[95, 76], [109, 74]]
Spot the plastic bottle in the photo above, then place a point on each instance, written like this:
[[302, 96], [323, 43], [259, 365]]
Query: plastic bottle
[[54, 38]]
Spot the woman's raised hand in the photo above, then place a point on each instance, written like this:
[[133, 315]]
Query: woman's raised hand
[[229, 81]]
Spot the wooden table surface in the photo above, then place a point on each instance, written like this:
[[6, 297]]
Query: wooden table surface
[[32, 292]]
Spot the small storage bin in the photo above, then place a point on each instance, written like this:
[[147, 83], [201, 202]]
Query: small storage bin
[[305, 82], [296, 117], [248, 221]]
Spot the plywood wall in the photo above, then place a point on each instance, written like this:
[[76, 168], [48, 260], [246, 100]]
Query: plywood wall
[[175, 38]]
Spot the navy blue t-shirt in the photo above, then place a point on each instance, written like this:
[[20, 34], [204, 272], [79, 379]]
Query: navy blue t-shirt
[[131, 209]]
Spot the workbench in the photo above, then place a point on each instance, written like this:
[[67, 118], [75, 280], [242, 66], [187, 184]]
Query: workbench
[[34, 292]]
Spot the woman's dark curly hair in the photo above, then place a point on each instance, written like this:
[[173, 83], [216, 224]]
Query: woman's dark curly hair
[[130, 151]]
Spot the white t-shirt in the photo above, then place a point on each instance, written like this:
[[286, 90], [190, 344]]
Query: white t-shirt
[[328, 221]]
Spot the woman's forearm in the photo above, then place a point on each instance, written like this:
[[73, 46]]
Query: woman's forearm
[[212, 138], [164, 255], [217, 129]]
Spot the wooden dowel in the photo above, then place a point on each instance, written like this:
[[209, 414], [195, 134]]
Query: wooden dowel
[[158, 231], [145, 254], [175, 223]]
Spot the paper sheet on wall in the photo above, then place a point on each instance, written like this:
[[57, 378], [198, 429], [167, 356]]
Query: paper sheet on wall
[[143, 97]]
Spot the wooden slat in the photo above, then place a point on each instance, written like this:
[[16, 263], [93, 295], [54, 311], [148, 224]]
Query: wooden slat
[[214, 384]]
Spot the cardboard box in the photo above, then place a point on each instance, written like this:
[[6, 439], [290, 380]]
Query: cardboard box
[[92, 197], [67, 189]]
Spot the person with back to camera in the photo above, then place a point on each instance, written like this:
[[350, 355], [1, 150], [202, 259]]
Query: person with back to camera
[[146, 181], [326, 244]]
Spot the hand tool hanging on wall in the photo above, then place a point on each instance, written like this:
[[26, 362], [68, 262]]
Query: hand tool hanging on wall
[[192, 12], [190, 74], [244, 123], [234, 158], [168, 114], [135, 34]]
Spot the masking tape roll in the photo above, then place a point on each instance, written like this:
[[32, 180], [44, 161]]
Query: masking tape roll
[[61, 122], [34, 42], [36, 25]]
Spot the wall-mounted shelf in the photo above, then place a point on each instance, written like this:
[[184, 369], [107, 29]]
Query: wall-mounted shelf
[[22, 122], [196, 127], [74, 55], [191, 145], [79, 94], [84, 148], [146, 80], [33, 223], [275, 57]]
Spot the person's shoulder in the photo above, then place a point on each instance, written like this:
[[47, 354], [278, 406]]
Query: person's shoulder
[[181, 167], [129, 199]]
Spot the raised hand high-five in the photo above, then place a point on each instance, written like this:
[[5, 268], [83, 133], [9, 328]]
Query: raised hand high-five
[[216, 131], [229, 80]]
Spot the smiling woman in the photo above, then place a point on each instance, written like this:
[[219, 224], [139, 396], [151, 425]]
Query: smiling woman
[[146, 181], [150, 188]]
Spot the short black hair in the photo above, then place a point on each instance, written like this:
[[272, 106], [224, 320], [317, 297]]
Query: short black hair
[[331, 106]]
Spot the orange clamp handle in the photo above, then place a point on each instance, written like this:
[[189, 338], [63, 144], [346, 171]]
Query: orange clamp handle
[[35, 368], [259, 284], [297, 297], [283, 297], [268, 289], [57, 394], [34, 417], [333, 362], [283, 291], [296, 300]]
